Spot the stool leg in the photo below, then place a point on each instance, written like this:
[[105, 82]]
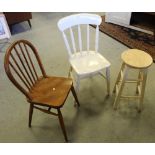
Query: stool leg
[[138, 83], [119, 76], [121, 87], [108, 80], [144, 72]]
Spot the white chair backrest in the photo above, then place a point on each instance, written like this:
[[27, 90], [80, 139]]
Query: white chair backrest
[[77, 20]]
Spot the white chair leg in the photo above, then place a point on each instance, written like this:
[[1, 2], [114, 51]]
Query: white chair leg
[[77, 84], [69, 73], [108, 79]]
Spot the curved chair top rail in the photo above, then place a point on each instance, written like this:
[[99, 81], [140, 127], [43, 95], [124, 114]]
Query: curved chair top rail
[[76, 19], [20, 67]]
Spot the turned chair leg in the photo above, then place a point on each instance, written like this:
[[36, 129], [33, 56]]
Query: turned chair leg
[[77, 84], [108, 80], [30, 114], [70, 70], [62, 124], [49, 108], [75, 96]]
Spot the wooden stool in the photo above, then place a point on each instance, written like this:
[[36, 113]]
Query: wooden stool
[[133, 59]]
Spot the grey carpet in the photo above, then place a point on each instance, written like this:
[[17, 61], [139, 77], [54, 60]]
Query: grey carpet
[[95, 120]]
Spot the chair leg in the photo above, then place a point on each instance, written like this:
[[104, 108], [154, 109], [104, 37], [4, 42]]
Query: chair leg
[[108, 80], [75, 96], [70, 70], [30, 114], [62, 124], [144, 72], [49, 108], [77, 84], [118, 95]]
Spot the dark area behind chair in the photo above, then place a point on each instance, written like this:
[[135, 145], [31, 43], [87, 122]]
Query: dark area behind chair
[[17, 17]]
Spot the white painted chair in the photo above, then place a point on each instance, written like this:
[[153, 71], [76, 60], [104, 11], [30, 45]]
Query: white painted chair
[[84, 62]]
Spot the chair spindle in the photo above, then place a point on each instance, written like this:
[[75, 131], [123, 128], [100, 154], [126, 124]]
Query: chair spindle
[[31, 63], [87, 37], [80, 39], [73, 40], [97, 38]]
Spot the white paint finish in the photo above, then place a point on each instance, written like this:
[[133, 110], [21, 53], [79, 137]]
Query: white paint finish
[[80, 39], [84, 62], [67, 44], [87, 37], [73, 40], [97, 38], [88, 62], [76, 19]]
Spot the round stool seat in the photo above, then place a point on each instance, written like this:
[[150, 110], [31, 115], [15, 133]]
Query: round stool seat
[[136, 58]]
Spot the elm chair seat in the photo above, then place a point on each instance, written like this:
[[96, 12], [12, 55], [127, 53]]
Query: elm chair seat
[[51, 91]]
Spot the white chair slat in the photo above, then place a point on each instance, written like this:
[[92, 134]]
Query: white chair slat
[[87, 37], [80, 39], [97, 38], [67, 44], [73, 40]]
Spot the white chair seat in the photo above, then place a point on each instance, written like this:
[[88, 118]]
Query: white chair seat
[[87, 62]]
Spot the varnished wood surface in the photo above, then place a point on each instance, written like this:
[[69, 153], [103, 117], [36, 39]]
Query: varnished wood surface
[[51, 91], [39, 89], [18, 62], [136, 58]]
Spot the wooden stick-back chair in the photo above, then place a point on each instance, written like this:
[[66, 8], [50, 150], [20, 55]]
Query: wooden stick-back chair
[[24, 68]]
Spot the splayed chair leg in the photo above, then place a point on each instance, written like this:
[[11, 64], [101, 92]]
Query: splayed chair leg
[[75, 96], [62, 124], [30, 114]]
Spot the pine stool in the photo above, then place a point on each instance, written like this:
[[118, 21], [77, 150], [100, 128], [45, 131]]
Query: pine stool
[[133, 59]]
